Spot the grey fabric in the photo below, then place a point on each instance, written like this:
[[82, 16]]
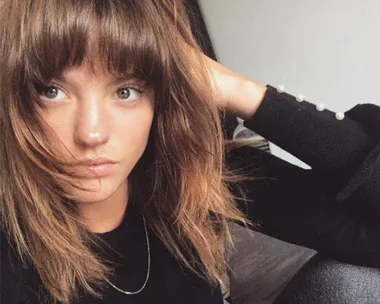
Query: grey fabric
[[261, 266], [330, 282]]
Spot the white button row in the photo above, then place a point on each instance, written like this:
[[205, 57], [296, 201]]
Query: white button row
[[319, 107]]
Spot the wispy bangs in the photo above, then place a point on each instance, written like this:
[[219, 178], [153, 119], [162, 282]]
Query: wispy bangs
[[119, 34]]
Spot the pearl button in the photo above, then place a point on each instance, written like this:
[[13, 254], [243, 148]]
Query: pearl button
[[320, 107], [339, 116], [300, 98], [281, 88]]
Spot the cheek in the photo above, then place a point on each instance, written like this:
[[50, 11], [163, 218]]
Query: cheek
[[133, 135], [58, 131]]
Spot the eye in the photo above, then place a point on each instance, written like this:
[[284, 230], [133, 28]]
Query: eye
[[129, 93], [51, 92]]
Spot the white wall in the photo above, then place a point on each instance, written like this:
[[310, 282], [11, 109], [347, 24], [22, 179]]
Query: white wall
[[328, 50]]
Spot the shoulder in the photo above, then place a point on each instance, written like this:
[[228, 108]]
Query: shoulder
[[270, 182], [255, 162]]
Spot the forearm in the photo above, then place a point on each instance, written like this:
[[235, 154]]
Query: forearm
[[333, 148], [248, 98]]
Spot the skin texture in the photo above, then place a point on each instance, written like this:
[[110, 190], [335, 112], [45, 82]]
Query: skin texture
[[93, 115], [91, 120]]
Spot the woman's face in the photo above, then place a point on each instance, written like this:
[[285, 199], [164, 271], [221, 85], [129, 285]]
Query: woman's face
[[98, 118]]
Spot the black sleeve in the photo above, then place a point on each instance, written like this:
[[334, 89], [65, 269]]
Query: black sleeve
[[335, 206]]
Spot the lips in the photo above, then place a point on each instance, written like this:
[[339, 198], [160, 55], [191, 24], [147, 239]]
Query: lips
[[98, 167], [101, 169], [98, 161]]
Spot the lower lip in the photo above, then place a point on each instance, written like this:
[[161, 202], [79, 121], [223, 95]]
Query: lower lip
[[100, 170]]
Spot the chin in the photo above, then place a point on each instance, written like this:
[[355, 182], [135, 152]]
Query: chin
[[91, 197], [98, 190]]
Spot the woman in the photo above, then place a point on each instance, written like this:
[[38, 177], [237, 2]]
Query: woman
[[114, 184]]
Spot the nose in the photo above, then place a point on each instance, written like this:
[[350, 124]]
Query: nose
[[92, 124]]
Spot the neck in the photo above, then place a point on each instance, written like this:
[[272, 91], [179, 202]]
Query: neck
[[106, 215]]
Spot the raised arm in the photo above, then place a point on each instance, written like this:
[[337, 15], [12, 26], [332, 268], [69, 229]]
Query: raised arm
[[333, 207]]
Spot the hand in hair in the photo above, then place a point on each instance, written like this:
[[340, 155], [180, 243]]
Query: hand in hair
[[233, 92]]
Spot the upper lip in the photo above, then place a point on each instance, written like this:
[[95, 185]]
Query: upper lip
[[97, 161]]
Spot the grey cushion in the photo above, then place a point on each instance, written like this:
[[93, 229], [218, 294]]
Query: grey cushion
[[261, 266]]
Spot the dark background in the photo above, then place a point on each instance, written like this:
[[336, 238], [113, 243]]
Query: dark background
[[201, 34]]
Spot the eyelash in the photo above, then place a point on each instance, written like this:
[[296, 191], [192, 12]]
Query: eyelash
[[131, 86]]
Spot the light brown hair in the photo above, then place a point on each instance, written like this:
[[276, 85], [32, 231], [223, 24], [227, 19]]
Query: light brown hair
[[181, 178]]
